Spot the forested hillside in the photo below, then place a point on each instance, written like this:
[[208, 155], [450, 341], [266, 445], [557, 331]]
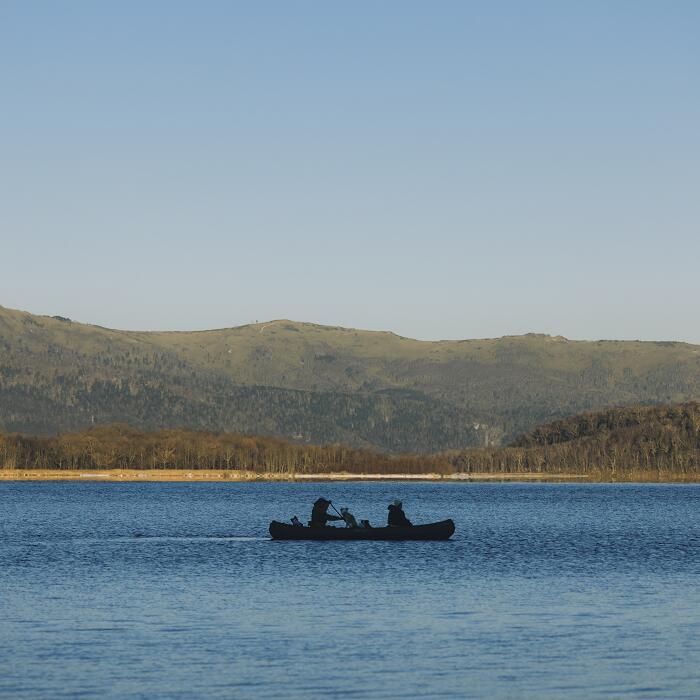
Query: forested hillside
[[317, 384], [625, 443]]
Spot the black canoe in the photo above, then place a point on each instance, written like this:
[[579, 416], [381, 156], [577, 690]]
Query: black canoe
[[434, 531]]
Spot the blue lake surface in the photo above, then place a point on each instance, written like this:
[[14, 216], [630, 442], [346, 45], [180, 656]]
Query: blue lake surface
[[545, 591]]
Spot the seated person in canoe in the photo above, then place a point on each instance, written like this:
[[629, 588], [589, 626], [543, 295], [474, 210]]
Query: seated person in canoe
[[397, 518]]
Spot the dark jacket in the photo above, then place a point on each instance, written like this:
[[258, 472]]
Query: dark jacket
[[319, 516], [397, 518]]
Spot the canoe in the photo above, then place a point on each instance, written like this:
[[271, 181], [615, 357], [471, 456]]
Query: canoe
[[433, 531]]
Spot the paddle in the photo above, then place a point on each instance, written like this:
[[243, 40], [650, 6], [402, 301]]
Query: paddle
[[336, 510]]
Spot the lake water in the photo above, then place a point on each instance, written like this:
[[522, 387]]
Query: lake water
[[545, 591]]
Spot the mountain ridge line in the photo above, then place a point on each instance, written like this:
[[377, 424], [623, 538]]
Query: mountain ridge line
[[260, 326]]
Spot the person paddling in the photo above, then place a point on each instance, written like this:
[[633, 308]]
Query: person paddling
[[397, 518], [320, 515]]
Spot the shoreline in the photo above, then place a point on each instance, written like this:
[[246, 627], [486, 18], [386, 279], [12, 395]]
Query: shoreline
[[207, 475], [240, 476]]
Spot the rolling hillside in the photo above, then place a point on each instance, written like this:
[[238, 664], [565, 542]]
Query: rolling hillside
[[316, 383]]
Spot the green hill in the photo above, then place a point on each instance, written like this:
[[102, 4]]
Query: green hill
[[316, 383]]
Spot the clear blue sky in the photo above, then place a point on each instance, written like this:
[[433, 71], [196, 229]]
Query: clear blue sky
[[439, 169]]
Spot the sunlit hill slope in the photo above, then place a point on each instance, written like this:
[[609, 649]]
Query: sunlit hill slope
[[316, 383]]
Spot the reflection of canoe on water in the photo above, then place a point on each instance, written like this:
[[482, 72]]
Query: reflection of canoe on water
[[434, 531]]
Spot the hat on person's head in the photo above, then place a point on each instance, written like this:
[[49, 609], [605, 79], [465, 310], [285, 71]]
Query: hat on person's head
[[344, 509], [318, 501]]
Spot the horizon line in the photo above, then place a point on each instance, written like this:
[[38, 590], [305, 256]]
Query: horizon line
[[263, 324]]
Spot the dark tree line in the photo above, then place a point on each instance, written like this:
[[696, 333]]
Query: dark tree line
[[614, 443], [122, 447]]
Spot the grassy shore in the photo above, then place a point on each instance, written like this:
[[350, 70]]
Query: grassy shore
[[243, 476]]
